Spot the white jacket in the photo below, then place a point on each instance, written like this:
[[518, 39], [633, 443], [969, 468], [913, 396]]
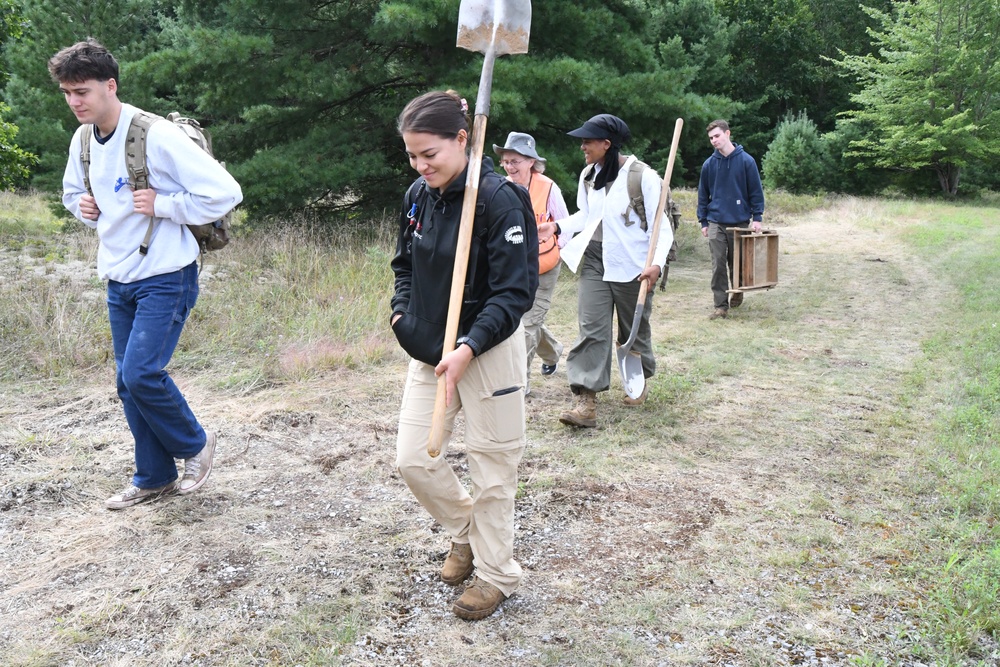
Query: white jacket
[[191, 188], [625, 245]]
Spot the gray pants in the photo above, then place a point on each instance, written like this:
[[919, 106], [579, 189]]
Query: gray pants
[[720, 243], [588, 364], [537, 337]]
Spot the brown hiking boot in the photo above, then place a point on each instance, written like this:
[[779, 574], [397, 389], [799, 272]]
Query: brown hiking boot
[[628, 400], [458, 565], [720, 313], [736, 300], [584, 414], [479, 600]]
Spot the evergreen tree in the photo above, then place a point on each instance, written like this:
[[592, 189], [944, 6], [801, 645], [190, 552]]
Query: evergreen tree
[[301, 96], [305, 94], [797, 159], [14, 161], [931, 96]]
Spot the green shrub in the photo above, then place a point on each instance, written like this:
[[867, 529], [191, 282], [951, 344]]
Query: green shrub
[[797, 160]]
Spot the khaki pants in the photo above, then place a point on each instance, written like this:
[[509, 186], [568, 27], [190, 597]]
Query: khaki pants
[[588, 364], [720, 243], [494, 442], [537, 337]]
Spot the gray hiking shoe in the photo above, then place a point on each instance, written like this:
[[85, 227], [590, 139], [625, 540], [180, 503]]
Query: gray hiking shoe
[[133, 495], [198, 468]]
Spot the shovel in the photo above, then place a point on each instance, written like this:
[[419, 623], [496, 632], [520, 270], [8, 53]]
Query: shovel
[[494, 28], [629, 362]]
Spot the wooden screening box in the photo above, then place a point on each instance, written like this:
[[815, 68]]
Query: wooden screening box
[[755, 260]]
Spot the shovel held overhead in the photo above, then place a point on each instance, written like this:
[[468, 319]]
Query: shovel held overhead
[[493, 28], [629, 362]]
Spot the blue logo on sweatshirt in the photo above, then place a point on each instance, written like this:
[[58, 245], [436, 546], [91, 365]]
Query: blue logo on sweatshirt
[[120, 183]]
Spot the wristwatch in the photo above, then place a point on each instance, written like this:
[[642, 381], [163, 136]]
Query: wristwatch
[[471, 343]]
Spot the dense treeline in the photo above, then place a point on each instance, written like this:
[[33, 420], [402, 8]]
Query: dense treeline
[[301, 96]]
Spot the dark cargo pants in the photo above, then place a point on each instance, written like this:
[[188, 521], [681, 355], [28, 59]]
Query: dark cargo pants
[[720, 243], [588, 364]]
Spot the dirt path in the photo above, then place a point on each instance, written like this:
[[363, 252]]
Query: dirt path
[[741, 517]]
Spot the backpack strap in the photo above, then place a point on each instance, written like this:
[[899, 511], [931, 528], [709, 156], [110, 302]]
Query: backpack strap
[[488, 188], [88, 131], [635, 200], [135, 162]]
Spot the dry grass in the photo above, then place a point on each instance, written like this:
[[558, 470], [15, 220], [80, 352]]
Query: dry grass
[[771, 504]]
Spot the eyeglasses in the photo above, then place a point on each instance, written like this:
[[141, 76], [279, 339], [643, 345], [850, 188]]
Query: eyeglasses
[[512, 163]]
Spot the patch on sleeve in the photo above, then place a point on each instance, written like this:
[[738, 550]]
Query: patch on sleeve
[[514, 235]]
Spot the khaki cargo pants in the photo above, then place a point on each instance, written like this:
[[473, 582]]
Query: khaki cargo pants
[[492, 395]]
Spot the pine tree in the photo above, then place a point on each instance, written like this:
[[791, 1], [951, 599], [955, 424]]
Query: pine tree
[[14, 161], [931, 96]]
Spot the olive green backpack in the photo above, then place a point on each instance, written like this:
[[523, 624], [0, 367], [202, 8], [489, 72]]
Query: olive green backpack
[[210, 236], [635, 200]]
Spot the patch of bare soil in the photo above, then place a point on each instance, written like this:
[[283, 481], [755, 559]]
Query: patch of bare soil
[[733, 520]]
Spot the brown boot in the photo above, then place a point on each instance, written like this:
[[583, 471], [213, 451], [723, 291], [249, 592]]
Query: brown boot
[[478, 601], [585, 413], [458, 565], [719, 313]]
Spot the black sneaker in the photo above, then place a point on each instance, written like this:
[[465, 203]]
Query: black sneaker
[[549, 370]]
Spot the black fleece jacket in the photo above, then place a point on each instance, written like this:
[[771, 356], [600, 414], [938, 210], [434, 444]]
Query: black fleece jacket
[[497, 293]]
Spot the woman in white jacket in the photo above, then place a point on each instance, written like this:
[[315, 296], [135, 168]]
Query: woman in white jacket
[[608, 251]]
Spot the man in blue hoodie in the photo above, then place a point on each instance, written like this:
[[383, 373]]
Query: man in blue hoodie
[[729, 196]]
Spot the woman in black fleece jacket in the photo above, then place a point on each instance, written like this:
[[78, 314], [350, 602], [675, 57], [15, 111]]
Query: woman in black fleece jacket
[[485, 374]]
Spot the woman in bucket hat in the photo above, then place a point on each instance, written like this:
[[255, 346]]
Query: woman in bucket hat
[[608, 248], [524, 166]]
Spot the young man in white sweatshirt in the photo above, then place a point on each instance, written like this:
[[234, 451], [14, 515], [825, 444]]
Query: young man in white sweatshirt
[[149, 295]]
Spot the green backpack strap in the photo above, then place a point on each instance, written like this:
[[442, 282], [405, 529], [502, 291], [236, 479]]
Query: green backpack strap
[[135, 162], [635, 200]]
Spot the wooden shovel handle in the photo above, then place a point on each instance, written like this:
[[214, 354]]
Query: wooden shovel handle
[[466, 223], [654, 237]]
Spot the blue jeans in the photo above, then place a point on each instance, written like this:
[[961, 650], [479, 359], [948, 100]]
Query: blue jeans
[[147, 318]]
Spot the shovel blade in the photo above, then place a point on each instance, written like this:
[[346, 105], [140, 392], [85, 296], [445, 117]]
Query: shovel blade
[[501, 25], [630, 364]]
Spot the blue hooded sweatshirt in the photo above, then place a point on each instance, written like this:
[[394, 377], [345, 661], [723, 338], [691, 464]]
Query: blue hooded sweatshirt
[[729, 191]]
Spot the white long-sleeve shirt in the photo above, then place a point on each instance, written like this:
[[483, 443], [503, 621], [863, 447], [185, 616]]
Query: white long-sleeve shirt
[[191, 188], [625, 243]]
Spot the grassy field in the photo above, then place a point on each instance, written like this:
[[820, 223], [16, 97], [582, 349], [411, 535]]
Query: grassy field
[[813, 481]]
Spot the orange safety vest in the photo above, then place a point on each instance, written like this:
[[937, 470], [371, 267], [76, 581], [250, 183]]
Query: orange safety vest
[[548, 251]]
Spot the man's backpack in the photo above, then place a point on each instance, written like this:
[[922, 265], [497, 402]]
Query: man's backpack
[[210, 236]]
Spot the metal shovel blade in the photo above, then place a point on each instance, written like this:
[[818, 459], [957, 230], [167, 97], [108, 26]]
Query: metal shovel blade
[[503, 25], [629, 362], [630, 365]]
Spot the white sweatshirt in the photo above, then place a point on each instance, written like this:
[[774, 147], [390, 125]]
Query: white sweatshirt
[[625, 245], [191, 188]]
